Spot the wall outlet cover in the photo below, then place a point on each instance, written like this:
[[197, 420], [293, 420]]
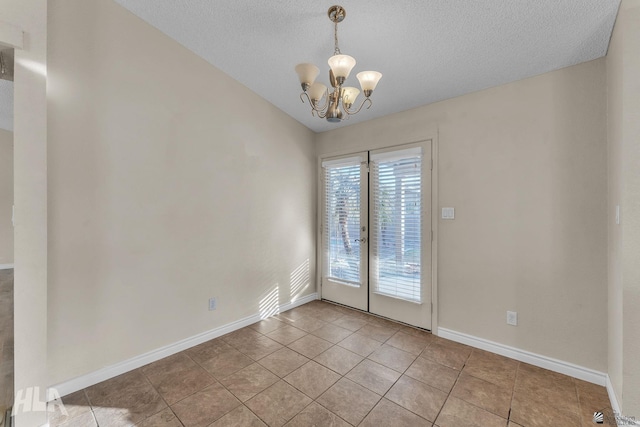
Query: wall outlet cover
[[512, 318], [212, 304]]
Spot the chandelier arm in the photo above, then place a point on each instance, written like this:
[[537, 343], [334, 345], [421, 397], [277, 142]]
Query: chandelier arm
[[313, 106], [308, 99], [351, 113], [326, 101]]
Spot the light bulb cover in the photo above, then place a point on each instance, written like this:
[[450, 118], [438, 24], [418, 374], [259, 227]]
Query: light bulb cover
[[317, 91], [368, 81], [307, 73], [349, 95], [341, 65]]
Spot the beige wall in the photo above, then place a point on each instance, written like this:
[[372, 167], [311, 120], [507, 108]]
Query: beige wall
[[30, 200], [524, 164], [623, 84], [169, 183], [6, 197]]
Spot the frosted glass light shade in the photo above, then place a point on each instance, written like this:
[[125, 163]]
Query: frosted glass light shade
[[349, 95], [369, 80], [307, 73], [317, 91], [341, 65]]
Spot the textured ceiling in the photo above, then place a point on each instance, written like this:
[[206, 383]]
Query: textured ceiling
[[426, 50]]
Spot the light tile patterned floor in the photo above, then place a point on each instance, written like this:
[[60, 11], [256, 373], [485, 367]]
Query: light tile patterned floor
[[326, 365]]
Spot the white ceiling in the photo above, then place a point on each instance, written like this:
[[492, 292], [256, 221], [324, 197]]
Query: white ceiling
[[427, 50]]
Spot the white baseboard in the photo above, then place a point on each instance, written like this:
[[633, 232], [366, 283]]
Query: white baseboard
[[6, 266], [621, 421], [612, 396], [108, 372], [545, 362]]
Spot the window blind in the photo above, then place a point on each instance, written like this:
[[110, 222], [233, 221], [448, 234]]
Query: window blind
[[342, 219], [396, 223]]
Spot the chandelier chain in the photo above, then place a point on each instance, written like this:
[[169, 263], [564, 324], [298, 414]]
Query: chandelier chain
[[336, 50]]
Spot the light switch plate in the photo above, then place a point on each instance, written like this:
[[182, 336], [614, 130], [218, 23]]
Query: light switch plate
[[448, 213]]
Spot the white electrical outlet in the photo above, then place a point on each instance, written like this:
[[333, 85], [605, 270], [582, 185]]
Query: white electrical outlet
[[512, 318], [212, 304]]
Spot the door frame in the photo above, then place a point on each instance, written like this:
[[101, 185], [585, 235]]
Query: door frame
[[432, 135]]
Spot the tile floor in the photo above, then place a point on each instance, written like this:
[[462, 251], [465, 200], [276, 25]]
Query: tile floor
[[6, 340], [325, 365]]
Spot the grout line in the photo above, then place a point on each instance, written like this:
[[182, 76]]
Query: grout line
[[452, 387], [579, 404], [258, 416], [477, 406], [513, 390]]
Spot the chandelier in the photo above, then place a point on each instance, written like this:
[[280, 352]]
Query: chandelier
[[337, 104]]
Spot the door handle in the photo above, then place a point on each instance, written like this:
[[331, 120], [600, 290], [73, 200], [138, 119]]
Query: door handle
[[363, 240]]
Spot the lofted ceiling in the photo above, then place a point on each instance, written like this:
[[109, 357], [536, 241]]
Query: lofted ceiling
[[427, 50]]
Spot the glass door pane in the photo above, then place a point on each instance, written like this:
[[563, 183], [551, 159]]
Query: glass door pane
[[343, 222], [344, 228], [396, 226]]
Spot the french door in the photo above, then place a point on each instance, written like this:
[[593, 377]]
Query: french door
[[377, 232], [345, 230]]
